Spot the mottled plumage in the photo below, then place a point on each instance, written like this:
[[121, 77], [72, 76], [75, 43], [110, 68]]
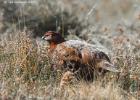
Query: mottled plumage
[[83, 59]]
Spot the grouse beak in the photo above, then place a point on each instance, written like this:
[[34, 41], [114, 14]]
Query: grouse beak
[[47, 38], [43, 37]]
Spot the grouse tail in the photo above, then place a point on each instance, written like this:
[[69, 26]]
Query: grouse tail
[[107, 66]]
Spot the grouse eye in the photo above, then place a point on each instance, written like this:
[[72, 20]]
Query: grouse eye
[[47, 35], [53, 34]]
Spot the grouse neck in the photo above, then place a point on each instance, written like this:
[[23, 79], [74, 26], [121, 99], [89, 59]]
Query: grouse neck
[[53, 45]]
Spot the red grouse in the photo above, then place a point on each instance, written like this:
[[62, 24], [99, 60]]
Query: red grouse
[[79, 57]]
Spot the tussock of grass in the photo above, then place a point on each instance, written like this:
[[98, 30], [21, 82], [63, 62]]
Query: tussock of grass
[[25, 73]]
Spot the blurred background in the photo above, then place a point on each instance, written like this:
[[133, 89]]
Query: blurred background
[[90, 20], [70, 16]]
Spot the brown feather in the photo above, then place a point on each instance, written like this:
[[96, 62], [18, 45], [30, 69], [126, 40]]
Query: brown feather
[[78, 56]]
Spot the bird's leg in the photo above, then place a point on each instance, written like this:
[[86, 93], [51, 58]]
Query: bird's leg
[[66, 79]]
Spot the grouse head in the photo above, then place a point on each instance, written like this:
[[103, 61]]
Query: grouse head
[[53, 37]]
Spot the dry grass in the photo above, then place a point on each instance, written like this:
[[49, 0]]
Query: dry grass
[[24, 65], [25, 73]]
